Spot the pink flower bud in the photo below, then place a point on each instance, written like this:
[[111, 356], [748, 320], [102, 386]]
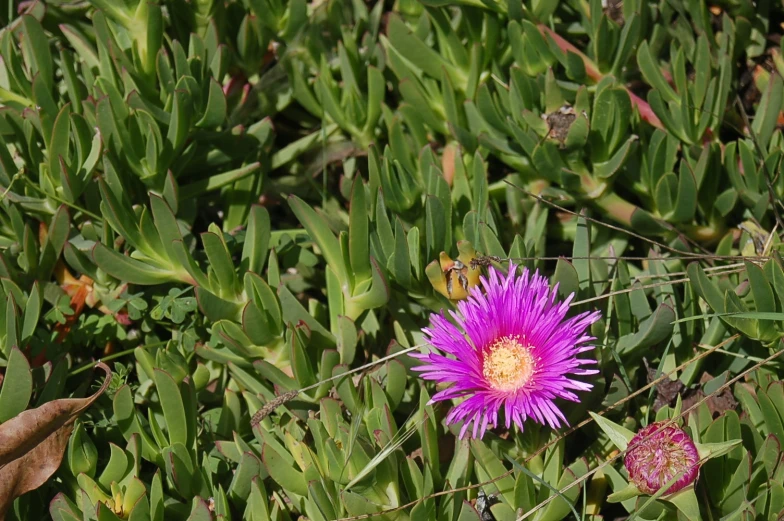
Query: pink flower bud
[[657, 454]]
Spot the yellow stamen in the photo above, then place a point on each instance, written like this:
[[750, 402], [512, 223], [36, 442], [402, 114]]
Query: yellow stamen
[[508, 364]]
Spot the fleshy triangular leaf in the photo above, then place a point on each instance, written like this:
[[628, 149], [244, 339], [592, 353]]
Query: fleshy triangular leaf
[[714, 450], [676, 412], [686, 501], [628, 492], [620, 436]]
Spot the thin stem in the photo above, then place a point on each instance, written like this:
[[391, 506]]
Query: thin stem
[[60, 200], [606, 225], [114, 356], [18, 175]]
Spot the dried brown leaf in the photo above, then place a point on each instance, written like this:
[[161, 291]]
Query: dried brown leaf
[[32, 443], [718, 403], [666, 391], [560, 122]]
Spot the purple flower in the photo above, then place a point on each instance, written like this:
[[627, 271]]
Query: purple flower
[[513, 349], [658, 453]]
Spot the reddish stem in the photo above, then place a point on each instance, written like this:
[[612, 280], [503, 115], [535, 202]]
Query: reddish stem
[[590, 67], [646, 113]]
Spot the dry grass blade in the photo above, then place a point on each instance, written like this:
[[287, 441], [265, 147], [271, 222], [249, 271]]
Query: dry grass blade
[[606, 225], [768, 177], [629, 290], [650, 286], [544, 483], [32, 443], [268, 408], [400, 438], [735, 355], [712, 271]]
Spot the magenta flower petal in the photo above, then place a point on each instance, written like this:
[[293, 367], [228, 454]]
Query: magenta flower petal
[[512, 350], [658, 453]]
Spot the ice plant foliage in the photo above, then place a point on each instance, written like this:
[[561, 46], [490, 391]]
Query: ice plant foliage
[[512, 349], [657, 454]]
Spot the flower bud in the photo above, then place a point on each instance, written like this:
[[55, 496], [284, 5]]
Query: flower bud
[[657, 454]]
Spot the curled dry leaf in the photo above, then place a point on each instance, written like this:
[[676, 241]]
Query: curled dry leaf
[[718, 403], [667, 391], [33, 442]]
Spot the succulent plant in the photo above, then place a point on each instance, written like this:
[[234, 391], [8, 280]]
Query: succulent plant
[[251, 209]]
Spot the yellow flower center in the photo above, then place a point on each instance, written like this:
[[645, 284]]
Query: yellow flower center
[[508, 364]]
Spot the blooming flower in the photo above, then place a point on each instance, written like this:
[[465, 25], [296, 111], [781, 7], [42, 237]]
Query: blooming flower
[[658, 453], [513, 348]]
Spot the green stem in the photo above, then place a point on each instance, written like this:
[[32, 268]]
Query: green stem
[[519, 163], [60, 200], [18, 175], [621, 211], [352, 310], [8, 97], [617, 208], [114, 356]]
